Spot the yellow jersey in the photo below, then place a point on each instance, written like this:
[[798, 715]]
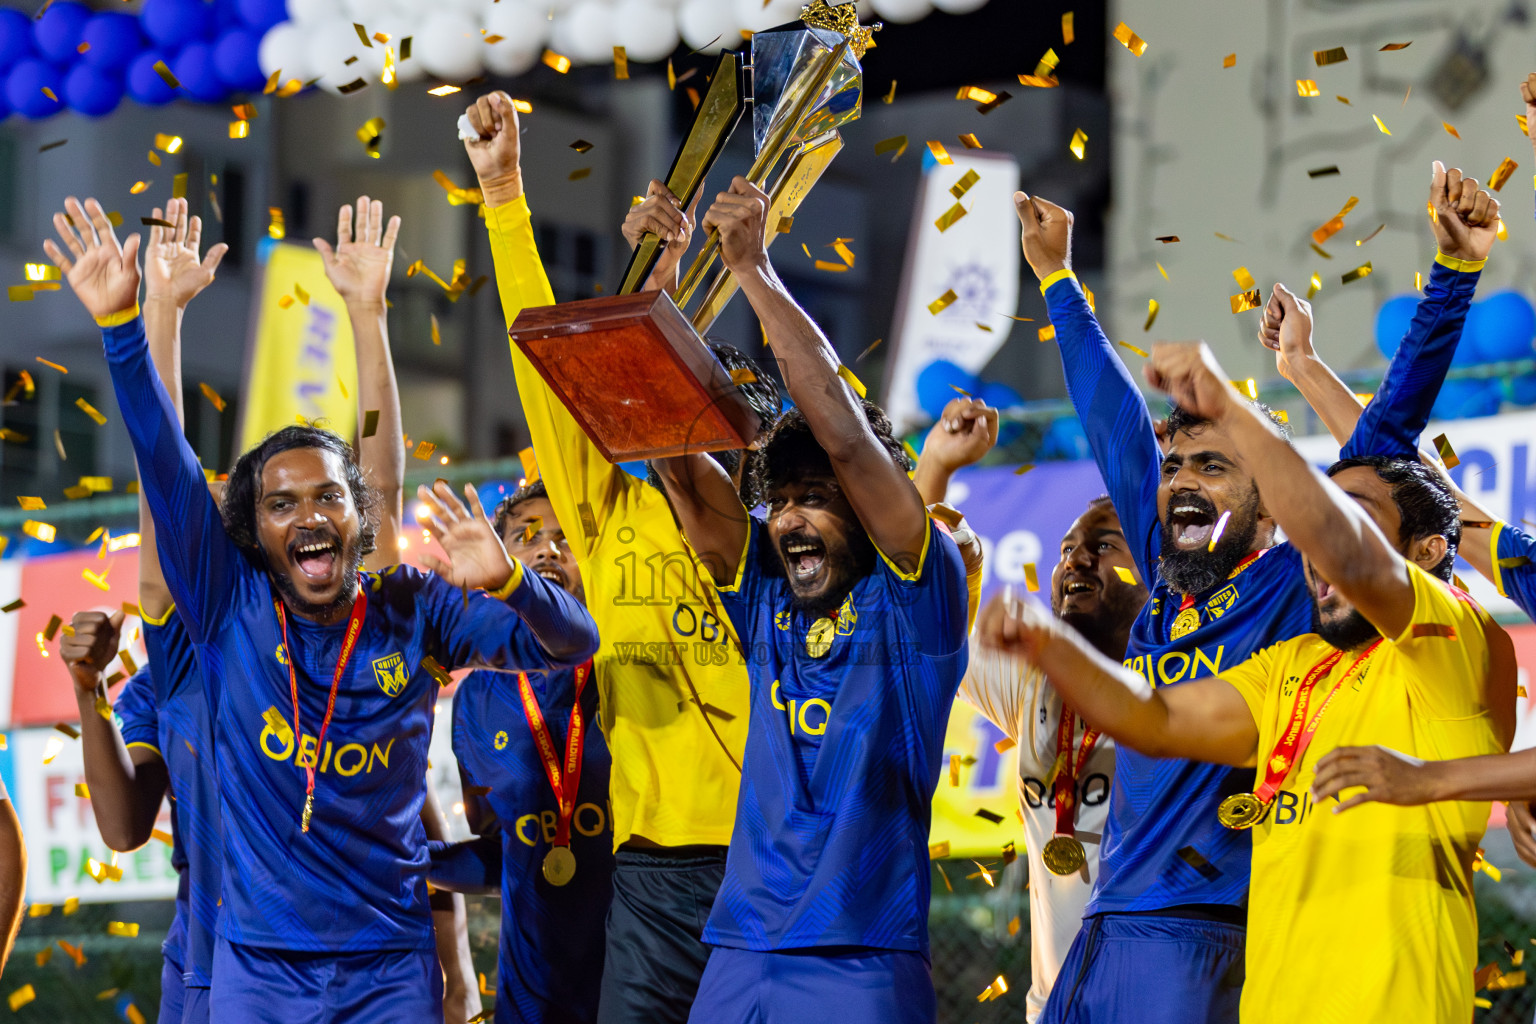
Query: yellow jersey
[[1368, 915], [671, 678]]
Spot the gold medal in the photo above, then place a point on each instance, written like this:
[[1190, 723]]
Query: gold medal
[[1064, 855], [818, 639], [1240, 810], [1185, 623], [559, 865]]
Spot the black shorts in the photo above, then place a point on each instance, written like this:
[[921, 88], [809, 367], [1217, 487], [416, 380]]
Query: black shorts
[[656, 955]]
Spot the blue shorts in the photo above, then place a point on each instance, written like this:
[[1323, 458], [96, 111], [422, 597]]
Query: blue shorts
[[1151, 969], [835, 985], [280, 986], [194, 1009], [172, 992]]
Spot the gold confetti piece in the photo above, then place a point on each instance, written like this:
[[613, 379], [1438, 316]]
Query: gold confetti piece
[[15, 605], [163, 836], [1306, 87], [20, 293], [1031, 577], [1130, 40], [165, 73], [964, 185], [46, 953], [949, 217], [853, 381], [39, 531], [581, 145], [8, 434], [1166, 239], [125, 929], [97, 580], [1133, 348], [992, 991], [786, 224], [284, 301], [90, 410], [1517, 957], [1046, 333], [975, 93], [50, 94], [1323, 172], [106, 994], [370, 422], [434, 669], [834, 268], [620, 64], [1513, 562], [128, 662], [1497, 179], [41, 909], [82, 790], [1336, 55], [1225, 238], [1152, 308], [131, 540], [559, 62], [1245, 301], [50, 363], [938, 851], [954, 770], [943, 302], [1446, 452], [131, 1012], [1514, 979], [29, 504], [1047, 64], [895, 142], [970, 141], [1370, 236], [1005, 744], [939, 152], [1503, 232], [1037, 82], [213, 396], [579, 173], [424, 450], [1314, 286], [77, 492], [1079, 144], [55, 746], [1364, 270], [168, 143], [840, 246], [352, 86], [1126, 576], [1229, 61], [1244, 279], [1381, 125], [1395, 46], [443, 90], [21, 997]]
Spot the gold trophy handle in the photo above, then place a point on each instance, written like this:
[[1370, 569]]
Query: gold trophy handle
[[772, 150]]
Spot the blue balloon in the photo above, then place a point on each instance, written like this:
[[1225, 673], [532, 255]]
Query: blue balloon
[[15, 38], [174, 23], [198, 73], [1466, 399], [24, 88], [115, 39], [1001, 396], [936, 385], [1503, 329], [5, 106], [1392, 322], [1065, 439], [92, 91], [58, 32], [234, 57], [1522, 389], [262, 14], [145, 84]]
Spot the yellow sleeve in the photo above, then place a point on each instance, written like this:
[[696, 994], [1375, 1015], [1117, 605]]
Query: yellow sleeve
[[1251, 680], [575, 473], [972, 596], [1447, 647]]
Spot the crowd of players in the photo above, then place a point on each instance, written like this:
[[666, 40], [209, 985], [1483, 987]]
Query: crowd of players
[[1302, 737]]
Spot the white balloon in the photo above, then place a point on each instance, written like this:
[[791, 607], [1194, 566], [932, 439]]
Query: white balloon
[[509, 63], [902, 11], [523, 25], [366, 12], [283, 49], [709, 26], [645, 29], [585, 32], [959, 6], [449, 46], [753, 16], [327, 47], [314, 12]]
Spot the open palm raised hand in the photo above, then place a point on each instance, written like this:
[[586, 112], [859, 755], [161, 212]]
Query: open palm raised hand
[[360, 264], [172, 268], [476, 557], [103, 273]]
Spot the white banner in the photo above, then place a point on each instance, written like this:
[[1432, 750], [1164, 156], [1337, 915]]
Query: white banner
[[1497, 471], [977, 258]]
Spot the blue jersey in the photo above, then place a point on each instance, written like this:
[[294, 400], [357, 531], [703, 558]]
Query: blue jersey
[[138, 720], [357, 880], [1515, 580], [550, 957], [830, 844], [1163, 846], [186, 746]]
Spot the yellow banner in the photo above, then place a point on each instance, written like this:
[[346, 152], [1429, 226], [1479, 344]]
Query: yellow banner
[[988, 783], [303, 363]]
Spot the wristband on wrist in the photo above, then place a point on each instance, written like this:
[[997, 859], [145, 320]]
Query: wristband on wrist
[[1461, 266], [119, 318]]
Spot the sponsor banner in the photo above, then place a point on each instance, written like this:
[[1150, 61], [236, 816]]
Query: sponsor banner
[[976, 258], [302, 362]]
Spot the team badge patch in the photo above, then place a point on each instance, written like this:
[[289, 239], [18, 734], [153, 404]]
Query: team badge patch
[[282, 654], [391, 673], [500, 742]]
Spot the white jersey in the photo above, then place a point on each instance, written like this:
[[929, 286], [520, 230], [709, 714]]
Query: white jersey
[[1016, 698]]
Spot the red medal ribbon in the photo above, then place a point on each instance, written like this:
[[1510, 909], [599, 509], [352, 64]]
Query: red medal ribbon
[[1293, 743], [348, 643], [1065, 787], [564, 783]]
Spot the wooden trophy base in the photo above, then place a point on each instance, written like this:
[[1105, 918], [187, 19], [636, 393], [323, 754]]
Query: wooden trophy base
[[636, 376]]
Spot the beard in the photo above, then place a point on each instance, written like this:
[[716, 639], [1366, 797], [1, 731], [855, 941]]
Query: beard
[[351, 558], [1196, 571], [1345, 634], [847, 565]]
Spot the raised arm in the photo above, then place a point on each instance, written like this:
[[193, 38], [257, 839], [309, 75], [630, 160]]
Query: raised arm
[[1115, 417], [662, 214], [1204, 720], [127, 785], [882, 496], [359, 267], [1465, 225], [1332, 530], [709, 510], [104, 275], [173, 277], [964, 433], [559, 631]]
